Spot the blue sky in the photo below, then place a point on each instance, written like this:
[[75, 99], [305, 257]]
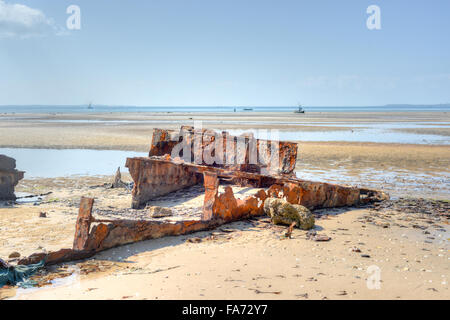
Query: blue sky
[[225, 53]]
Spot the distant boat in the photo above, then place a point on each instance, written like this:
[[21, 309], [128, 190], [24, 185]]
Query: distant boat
[[299, 110], [90, 106], [248, 109]]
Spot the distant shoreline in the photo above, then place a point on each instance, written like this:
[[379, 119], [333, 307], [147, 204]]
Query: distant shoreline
[[133, 131], [20, 109]]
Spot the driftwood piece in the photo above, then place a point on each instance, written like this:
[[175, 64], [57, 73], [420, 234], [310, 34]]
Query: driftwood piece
[[118, 183]]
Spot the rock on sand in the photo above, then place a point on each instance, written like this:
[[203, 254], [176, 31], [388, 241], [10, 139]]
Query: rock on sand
[[282, 212]]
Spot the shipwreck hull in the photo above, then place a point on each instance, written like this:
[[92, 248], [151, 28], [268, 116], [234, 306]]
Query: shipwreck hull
[[311, 194], [165, 170], [160, 174]]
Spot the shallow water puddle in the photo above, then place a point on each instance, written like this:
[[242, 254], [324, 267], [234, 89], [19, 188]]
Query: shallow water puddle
[[375, 134], [72, 280], [396, 182]]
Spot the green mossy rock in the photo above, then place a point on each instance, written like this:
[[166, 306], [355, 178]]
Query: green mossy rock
[[282, 212]]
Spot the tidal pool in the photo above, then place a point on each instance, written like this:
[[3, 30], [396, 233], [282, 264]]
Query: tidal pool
[[52, 163], [377, 135]]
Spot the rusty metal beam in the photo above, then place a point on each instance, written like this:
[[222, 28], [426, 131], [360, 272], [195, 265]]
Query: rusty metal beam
[[211, 182], [83, 224]]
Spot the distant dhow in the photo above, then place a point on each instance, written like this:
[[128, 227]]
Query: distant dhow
[[300, 109]]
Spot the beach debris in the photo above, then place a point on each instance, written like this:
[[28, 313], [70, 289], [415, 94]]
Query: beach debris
[[227, 230], [35, 195], [46, 277], [310, 234], [118, 183], [137, 270], [382, 224], [365, 256], [4, 264], [42, 214], [312, 279], [257, 291], [13, 275], [355, 249], [217, 234], [288, 233], [160, 212], [313, 235], [14, 255], [194, 240], [283, 212], [414, 206], [9, 177], [321, 237]]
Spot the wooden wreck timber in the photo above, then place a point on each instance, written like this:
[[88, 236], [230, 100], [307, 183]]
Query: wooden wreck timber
[[160, 174]]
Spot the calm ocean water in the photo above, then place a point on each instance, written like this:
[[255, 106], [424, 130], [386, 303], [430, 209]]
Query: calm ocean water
[[84, 109]]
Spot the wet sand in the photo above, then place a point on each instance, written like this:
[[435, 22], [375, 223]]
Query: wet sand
[[133, 131], [255, 261]]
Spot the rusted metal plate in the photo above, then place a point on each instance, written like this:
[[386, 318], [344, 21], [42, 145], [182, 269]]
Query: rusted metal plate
[[255, 155], [83, 224], [154, 178], [308, 193]]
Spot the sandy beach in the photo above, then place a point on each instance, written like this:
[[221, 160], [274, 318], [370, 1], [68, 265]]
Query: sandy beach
[[254, 260]]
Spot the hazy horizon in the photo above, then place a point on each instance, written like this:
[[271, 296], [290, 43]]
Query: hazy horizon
[[228, 106]]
